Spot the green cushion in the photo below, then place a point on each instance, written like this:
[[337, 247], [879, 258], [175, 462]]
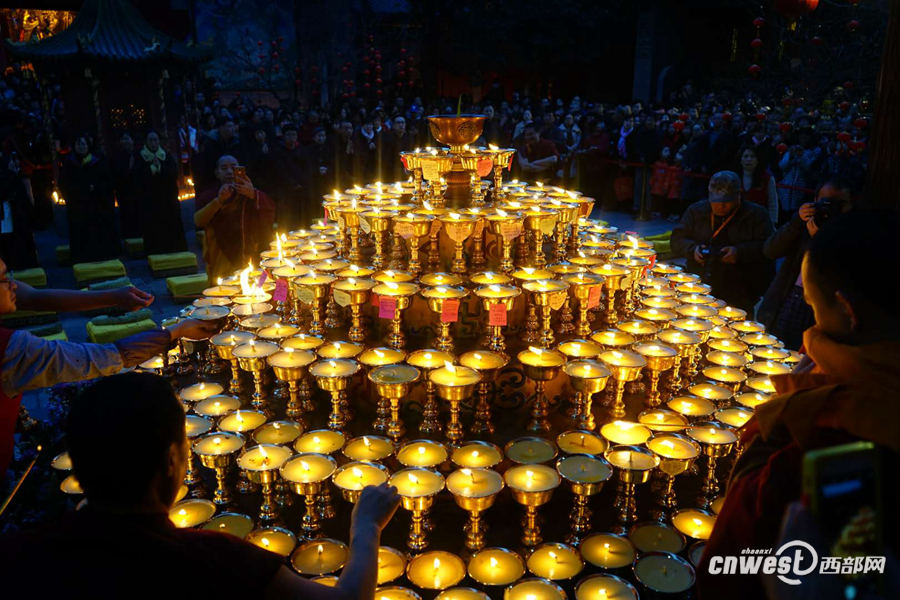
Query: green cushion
[[187, 285], [111, 284], [134, 246], [33, 277], [660, 236], [175, 260], [62, 254], [96, 271], [60, 337], [105, 334], [662, 246], [21, 318]]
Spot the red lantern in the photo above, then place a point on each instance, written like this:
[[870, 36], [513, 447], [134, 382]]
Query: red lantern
[[402, 50], [860, 122], [759, 22], [845, 106], [401, 74], [848, 85], [781, 148], [678, 125], [755, 70], [411, 84], [378, 92], [367, 72], [344, 69], [273, 42], [378, 68], [684, 117], [795, 8], [859, 146], [756, 43], [367, 85], [843, 136], [785, 127], [727, 117], [816, 40], [852, 24], [761, 116], [378, 81]]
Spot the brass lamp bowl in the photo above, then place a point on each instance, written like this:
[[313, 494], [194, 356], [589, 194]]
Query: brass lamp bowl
[[456, 131]]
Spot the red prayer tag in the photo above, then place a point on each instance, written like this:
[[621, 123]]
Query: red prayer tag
[[386, 307], [594, 297], [450, 310], [374, 299], [403, 160], [262, 279], [281, 290], [484, 166], [497, 316]]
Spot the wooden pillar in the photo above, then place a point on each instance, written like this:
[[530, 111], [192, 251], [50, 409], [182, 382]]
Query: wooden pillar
[[48, 125], [883, 186], [95, 94], [163, 122]]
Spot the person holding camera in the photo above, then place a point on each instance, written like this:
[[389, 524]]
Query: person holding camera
[[784, 312], [237, 219], [722, 238]]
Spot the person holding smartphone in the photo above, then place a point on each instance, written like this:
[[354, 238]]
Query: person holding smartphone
[[237, 219]]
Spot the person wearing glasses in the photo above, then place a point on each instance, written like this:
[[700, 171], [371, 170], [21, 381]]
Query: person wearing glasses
[[28, 362]]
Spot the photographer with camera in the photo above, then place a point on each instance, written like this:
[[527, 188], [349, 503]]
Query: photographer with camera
[[722, 239], [237, 219], [784, 312]]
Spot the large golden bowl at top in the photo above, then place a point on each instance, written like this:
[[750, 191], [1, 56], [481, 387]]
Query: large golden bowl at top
[[456, 131]]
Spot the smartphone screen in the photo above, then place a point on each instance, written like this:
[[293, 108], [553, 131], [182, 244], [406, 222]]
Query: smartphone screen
[[240, 172], [846, 499]]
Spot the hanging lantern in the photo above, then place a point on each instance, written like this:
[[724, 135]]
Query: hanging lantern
[[852, 25], [860, 122], [760, 116], [678, 125], [684, 117], [845, 106], [792, 9], [755, 70], [816, 40], [843, 136], [785, 127], [759, 22], [781, 148], [756, 43]]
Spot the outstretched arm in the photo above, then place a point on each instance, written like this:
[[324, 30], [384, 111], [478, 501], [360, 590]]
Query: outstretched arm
[[29, 298], [358, 579]]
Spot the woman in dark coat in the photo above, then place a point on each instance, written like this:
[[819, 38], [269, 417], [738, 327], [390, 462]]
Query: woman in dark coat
[[86, 185], [156, 193], [122, 167], [17, 247]]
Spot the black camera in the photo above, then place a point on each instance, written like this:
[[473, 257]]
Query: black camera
[[704, 252], [826, 209]]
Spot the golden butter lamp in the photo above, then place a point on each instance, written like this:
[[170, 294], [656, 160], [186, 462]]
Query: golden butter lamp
[[393, 382], [252, 357], [354, 292], [633, 465], [585, 287], [659, 358], [333, 376], [417, 488], [308, 475], [587, 377], [216, 451], [615, 277], [677, 454], [289, 366], [454, 384], [414, 228], [717, 441], [427, 361], [402, 294], [540, 366], [489, 365], [494, 295], [532, 486], [625, 366], [584, 475], [508, 226], [550, 295], [474, 491], [436, 297]]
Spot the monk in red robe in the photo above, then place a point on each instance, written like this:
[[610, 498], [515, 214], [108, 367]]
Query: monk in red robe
[[846, 388], [237, 219]]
